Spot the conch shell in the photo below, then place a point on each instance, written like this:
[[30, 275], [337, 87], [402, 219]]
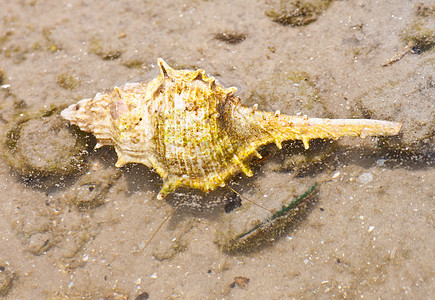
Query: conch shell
[[193, 131]]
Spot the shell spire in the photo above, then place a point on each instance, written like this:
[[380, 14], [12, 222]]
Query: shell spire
[[193, 131]]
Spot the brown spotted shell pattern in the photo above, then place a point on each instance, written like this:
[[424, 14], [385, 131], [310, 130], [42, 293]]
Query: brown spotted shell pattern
[[193, 131]]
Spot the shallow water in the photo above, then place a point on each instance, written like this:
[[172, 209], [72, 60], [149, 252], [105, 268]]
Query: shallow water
[[370, 226]]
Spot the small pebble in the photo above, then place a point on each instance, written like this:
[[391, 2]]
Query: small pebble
[[336, 174], [380, 162], [365, 178], [142, 296], [242, 281]]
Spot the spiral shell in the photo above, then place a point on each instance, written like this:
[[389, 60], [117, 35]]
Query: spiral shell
[[193, 131]]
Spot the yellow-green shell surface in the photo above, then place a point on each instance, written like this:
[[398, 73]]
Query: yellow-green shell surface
[[171, 124], [193, 131]]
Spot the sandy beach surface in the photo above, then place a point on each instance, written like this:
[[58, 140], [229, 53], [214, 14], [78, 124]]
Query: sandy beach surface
[[368, 229]]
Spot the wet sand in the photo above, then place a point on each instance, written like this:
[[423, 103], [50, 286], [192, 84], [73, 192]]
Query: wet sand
[[369, 231]]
